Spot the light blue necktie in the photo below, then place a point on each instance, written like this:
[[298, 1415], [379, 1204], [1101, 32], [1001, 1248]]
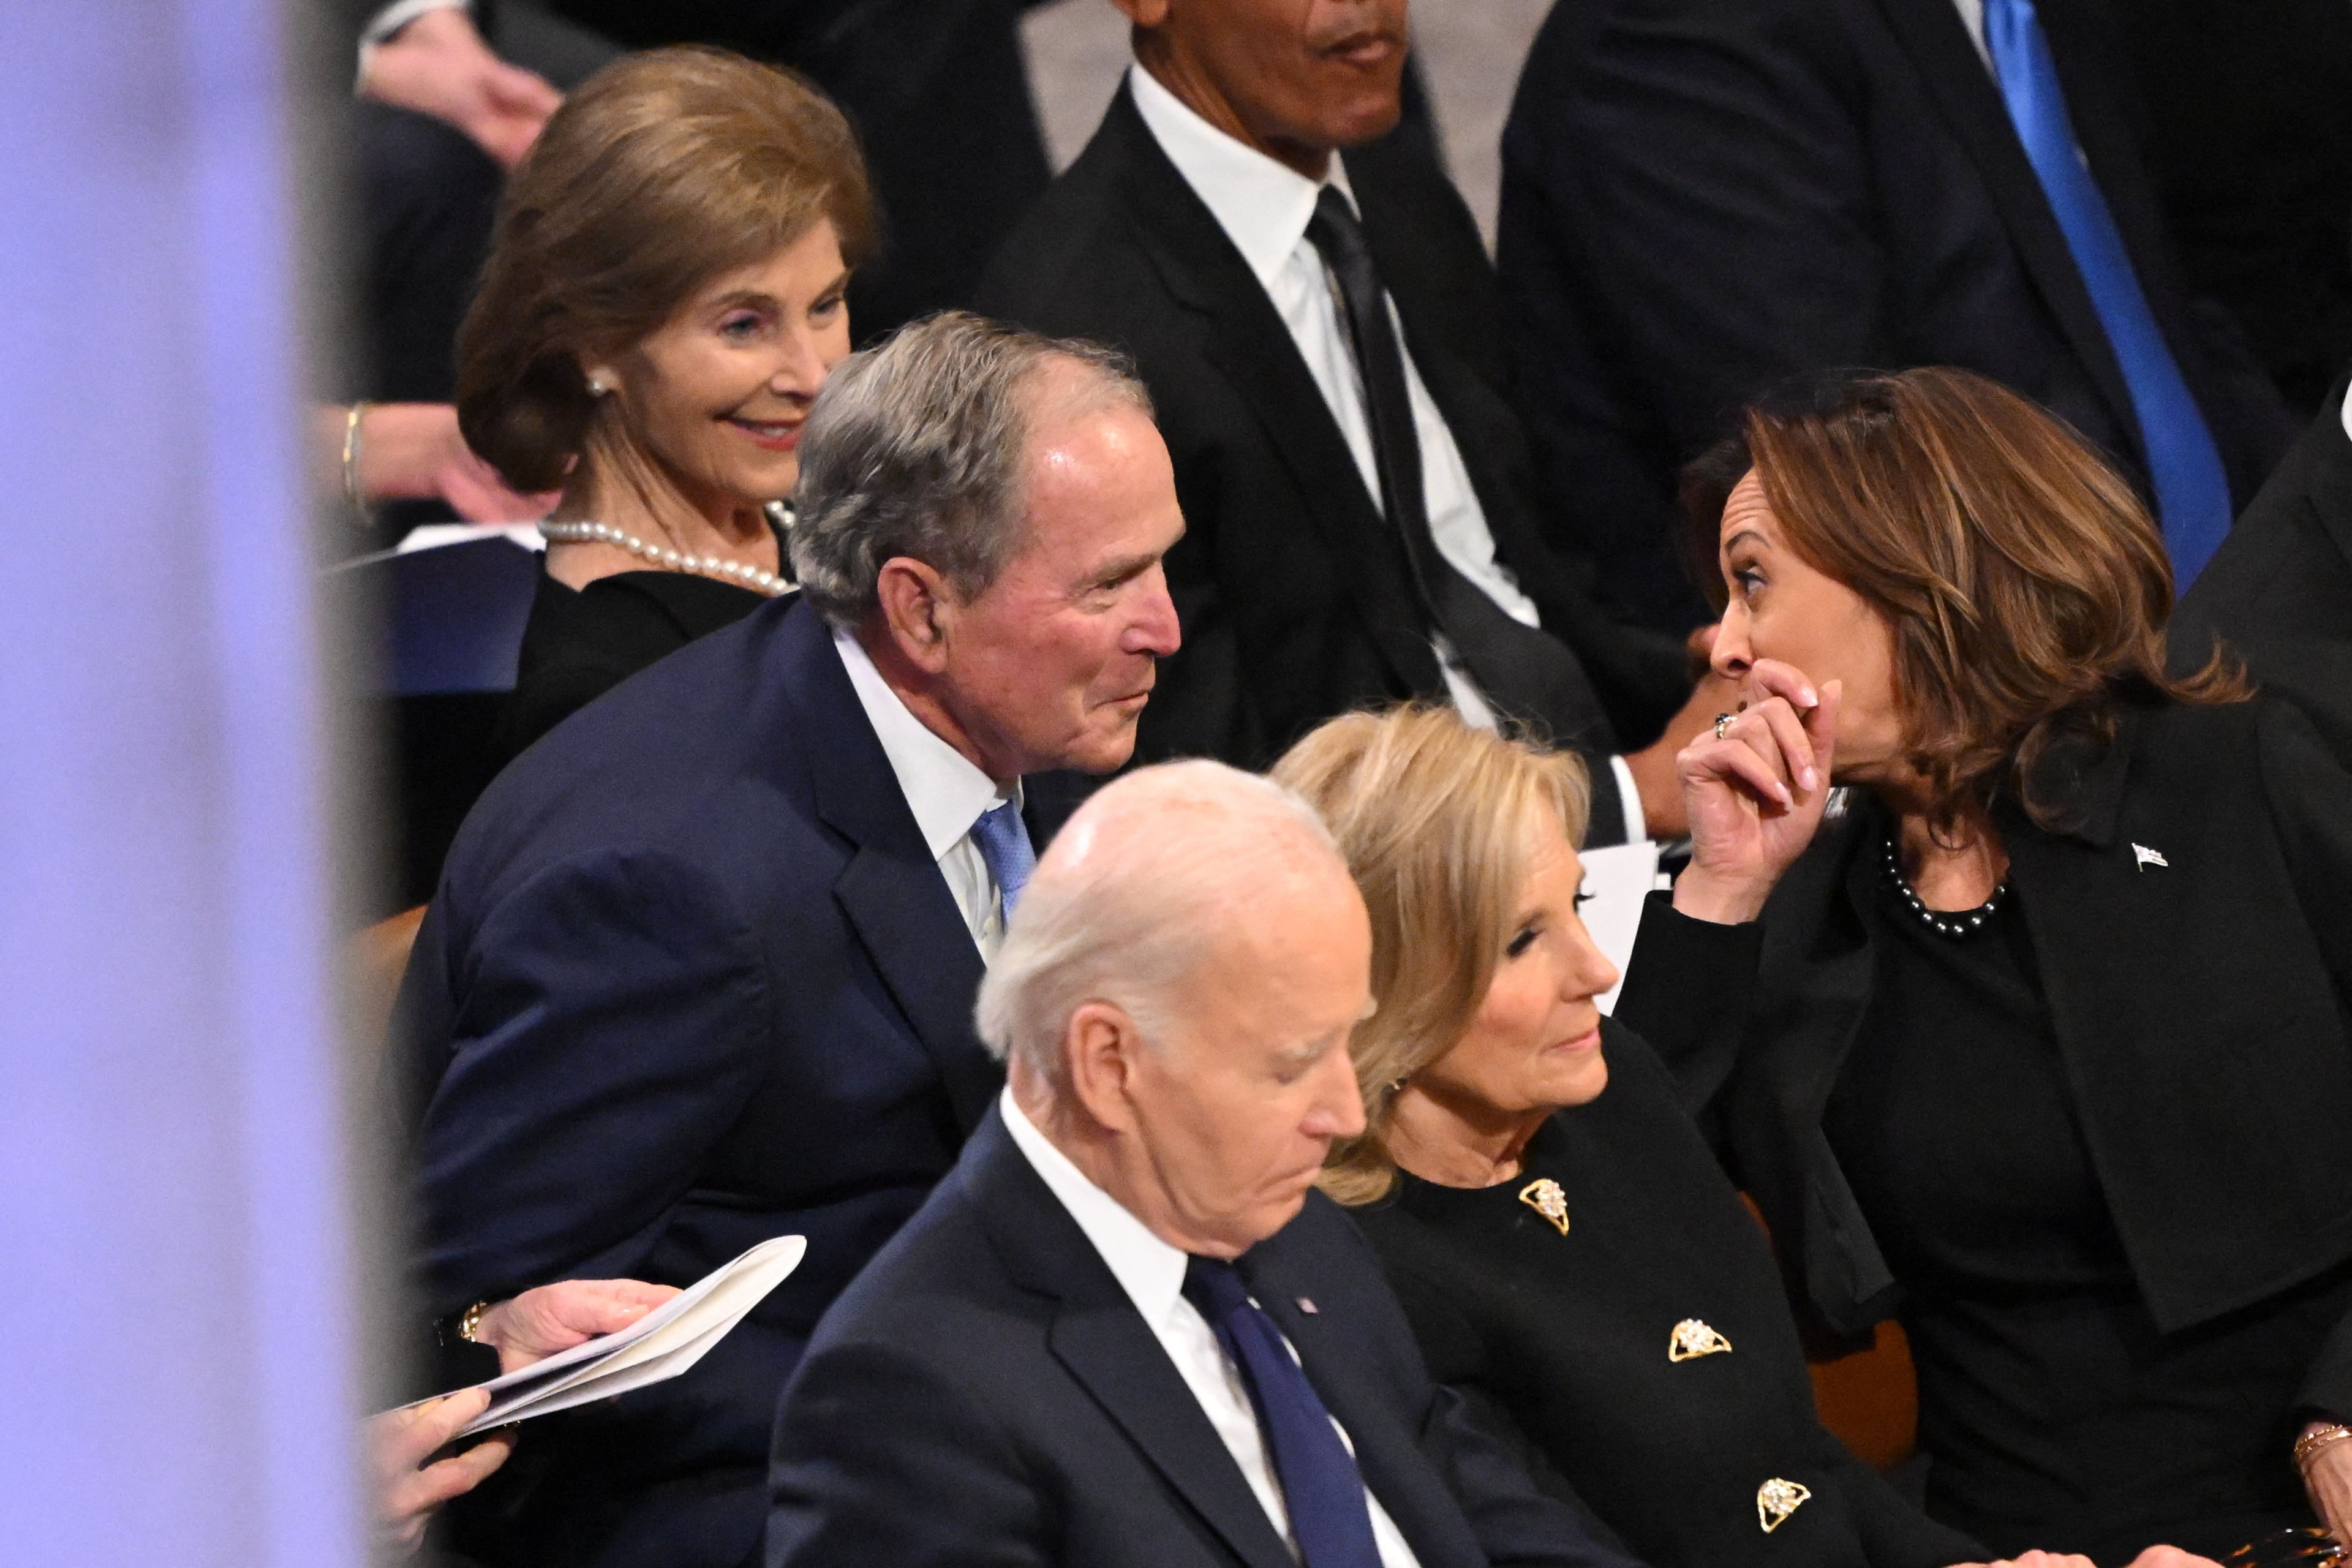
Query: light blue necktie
[[1003, 841], [2193, 494]]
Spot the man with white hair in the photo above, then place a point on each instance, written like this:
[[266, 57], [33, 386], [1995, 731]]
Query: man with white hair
[[1126, 1330]]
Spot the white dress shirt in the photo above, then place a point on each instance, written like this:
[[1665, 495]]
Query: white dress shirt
[[1152, 1272], [1263, 208], [944, 789], [1972, 18]]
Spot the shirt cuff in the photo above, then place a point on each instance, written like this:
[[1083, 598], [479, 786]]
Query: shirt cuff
[[1629, 797], [391, 19]]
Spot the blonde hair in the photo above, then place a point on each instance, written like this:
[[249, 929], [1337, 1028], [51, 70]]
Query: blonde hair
[[1432, 817]]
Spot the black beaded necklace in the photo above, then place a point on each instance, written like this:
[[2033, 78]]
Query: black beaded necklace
[[1955, 923]]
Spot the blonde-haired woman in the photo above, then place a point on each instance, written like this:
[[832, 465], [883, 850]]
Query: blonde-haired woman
[[1572, 1259]]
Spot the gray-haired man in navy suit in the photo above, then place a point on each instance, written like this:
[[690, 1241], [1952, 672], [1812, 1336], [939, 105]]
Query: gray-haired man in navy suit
[[701, 968]]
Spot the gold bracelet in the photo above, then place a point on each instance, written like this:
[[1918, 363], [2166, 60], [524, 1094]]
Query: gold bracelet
[[473, 1320], [2310, 1443], [351, 448]]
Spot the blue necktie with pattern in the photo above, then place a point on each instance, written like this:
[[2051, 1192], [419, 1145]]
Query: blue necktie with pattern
[[1003, 841], [1321, 1483], [2192, 493]]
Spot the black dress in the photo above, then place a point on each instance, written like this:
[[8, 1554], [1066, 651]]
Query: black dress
[[580, 643], [1568, 1336], [2056, 1414]]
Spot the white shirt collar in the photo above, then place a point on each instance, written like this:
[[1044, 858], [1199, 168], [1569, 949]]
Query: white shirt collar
[[1262, 205], [1150, 1271], [944, 789]]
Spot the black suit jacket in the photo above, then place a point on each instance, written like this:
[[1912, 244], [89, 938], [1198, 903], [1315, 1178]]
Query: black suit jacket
[[2279, 591], [1703, 198], [1287, 618], [2199, 1007], [692, 979], [987, 1394], [1561, 1339]]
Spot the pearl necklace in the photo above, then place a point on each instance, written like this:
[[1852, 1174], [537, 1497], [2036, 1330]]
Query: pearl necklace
[[736, 571], [1952, 923]]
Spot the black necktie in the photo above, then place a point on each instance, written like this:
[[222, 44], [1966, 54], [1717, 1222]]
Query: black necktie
[[1528, 674], [1320, 1484]]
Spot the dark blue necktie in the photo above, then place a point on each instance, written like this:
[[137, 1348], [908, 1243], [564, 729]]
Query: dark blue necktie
[[1321, 1483], [1003, 841], [2193, 494]]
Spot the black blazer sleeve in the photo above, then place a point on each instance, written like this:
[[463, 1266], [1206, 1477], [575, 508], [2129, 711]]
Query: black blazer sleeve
[[611, 1027], [2311, 806], [1687, 993]]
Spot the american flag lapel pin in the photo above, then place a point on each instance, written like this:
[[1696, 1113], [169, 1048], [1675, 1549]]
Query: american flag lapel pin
[[2143, 858]]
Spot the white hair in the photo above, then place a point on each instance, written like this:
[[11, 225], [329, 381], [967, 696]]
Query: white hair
[[1129, 898]]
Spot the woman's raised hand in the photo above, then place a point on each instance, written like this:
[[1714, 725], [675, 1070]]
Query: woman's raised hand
[[1754, 793]]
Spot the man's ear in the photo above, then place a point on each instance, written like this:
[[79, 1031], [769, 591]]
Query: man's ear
[[1098, 1050], [916, 609]]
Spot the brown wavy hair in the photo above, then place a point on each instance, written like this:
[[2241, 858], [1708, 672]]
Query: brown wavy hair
[[2025, 584], [1432, 817], [661, 171]]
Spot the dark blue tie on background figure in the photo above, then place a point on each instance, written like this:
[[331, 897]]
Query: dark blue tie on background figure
[[2193, 494], [1321, 1483], [1003, 841]]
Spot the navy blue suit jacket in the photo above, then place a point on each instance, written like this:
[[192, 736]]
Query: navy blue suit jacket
[[987, 1393], [692, 979]]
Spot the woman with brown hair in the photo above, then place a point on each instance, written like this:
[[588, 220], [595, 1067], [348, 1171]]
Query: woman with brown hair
[[662, 300], [2048, 1057]]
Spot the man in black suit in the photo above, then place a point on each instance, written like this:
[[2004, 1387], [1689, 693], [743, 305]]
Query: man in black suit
[[2280, 591], [1704, 198], [1306, 295], [701, 968], [1127, 1332]]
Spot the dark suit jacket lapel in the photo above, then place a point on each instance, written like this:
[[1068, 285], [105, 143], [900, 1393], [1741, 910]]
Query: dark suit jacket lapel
[[1932, 33], [2331, 475], [1391, 1463], [1246, 339], [891, 889], [1107, 1346]]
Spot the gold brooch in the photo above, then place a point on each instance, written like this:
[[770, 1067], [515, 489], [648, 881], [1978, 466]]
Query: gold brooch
[[1544, 1196], [1776, 1499], [1693, 1339]]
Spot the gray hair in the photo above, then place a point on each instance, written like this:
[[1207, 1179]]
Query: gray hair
[[919, 448], [1130, 898]]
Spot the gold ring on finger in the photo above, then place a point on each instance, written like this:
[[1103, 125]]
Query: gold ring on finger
[[1723, 724]]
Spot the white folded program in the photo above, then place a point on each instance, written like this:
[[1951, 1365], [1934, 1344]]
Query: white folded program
[[662, 1344]]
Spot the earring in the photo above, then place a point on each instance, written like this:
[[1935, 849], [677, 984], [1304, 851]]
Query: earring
[[1396, 1086], [596, 387]]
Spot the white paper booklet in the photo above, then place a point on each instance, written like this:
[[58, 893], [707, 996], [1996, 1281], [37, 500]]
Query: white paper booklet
[[1617, 881], [662, 1344]]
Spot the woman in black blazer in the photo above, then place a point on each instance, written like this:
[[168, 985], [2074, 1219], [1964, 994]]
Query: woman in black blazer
[[1585, 1277], [662, 300], [2048, 1056]]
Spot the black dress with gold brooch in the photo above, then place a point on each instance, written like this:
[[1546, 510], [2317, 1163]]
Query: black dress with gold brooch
[[1645, 1351]]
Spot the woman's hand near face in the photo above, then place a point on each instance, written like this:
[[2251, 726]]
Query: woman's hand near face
[[1755, 796]]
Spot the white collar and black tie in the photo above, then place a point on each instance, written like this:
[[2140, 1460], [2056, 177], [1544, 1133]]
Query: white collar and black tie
[[1266, 210], [970, 824]]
